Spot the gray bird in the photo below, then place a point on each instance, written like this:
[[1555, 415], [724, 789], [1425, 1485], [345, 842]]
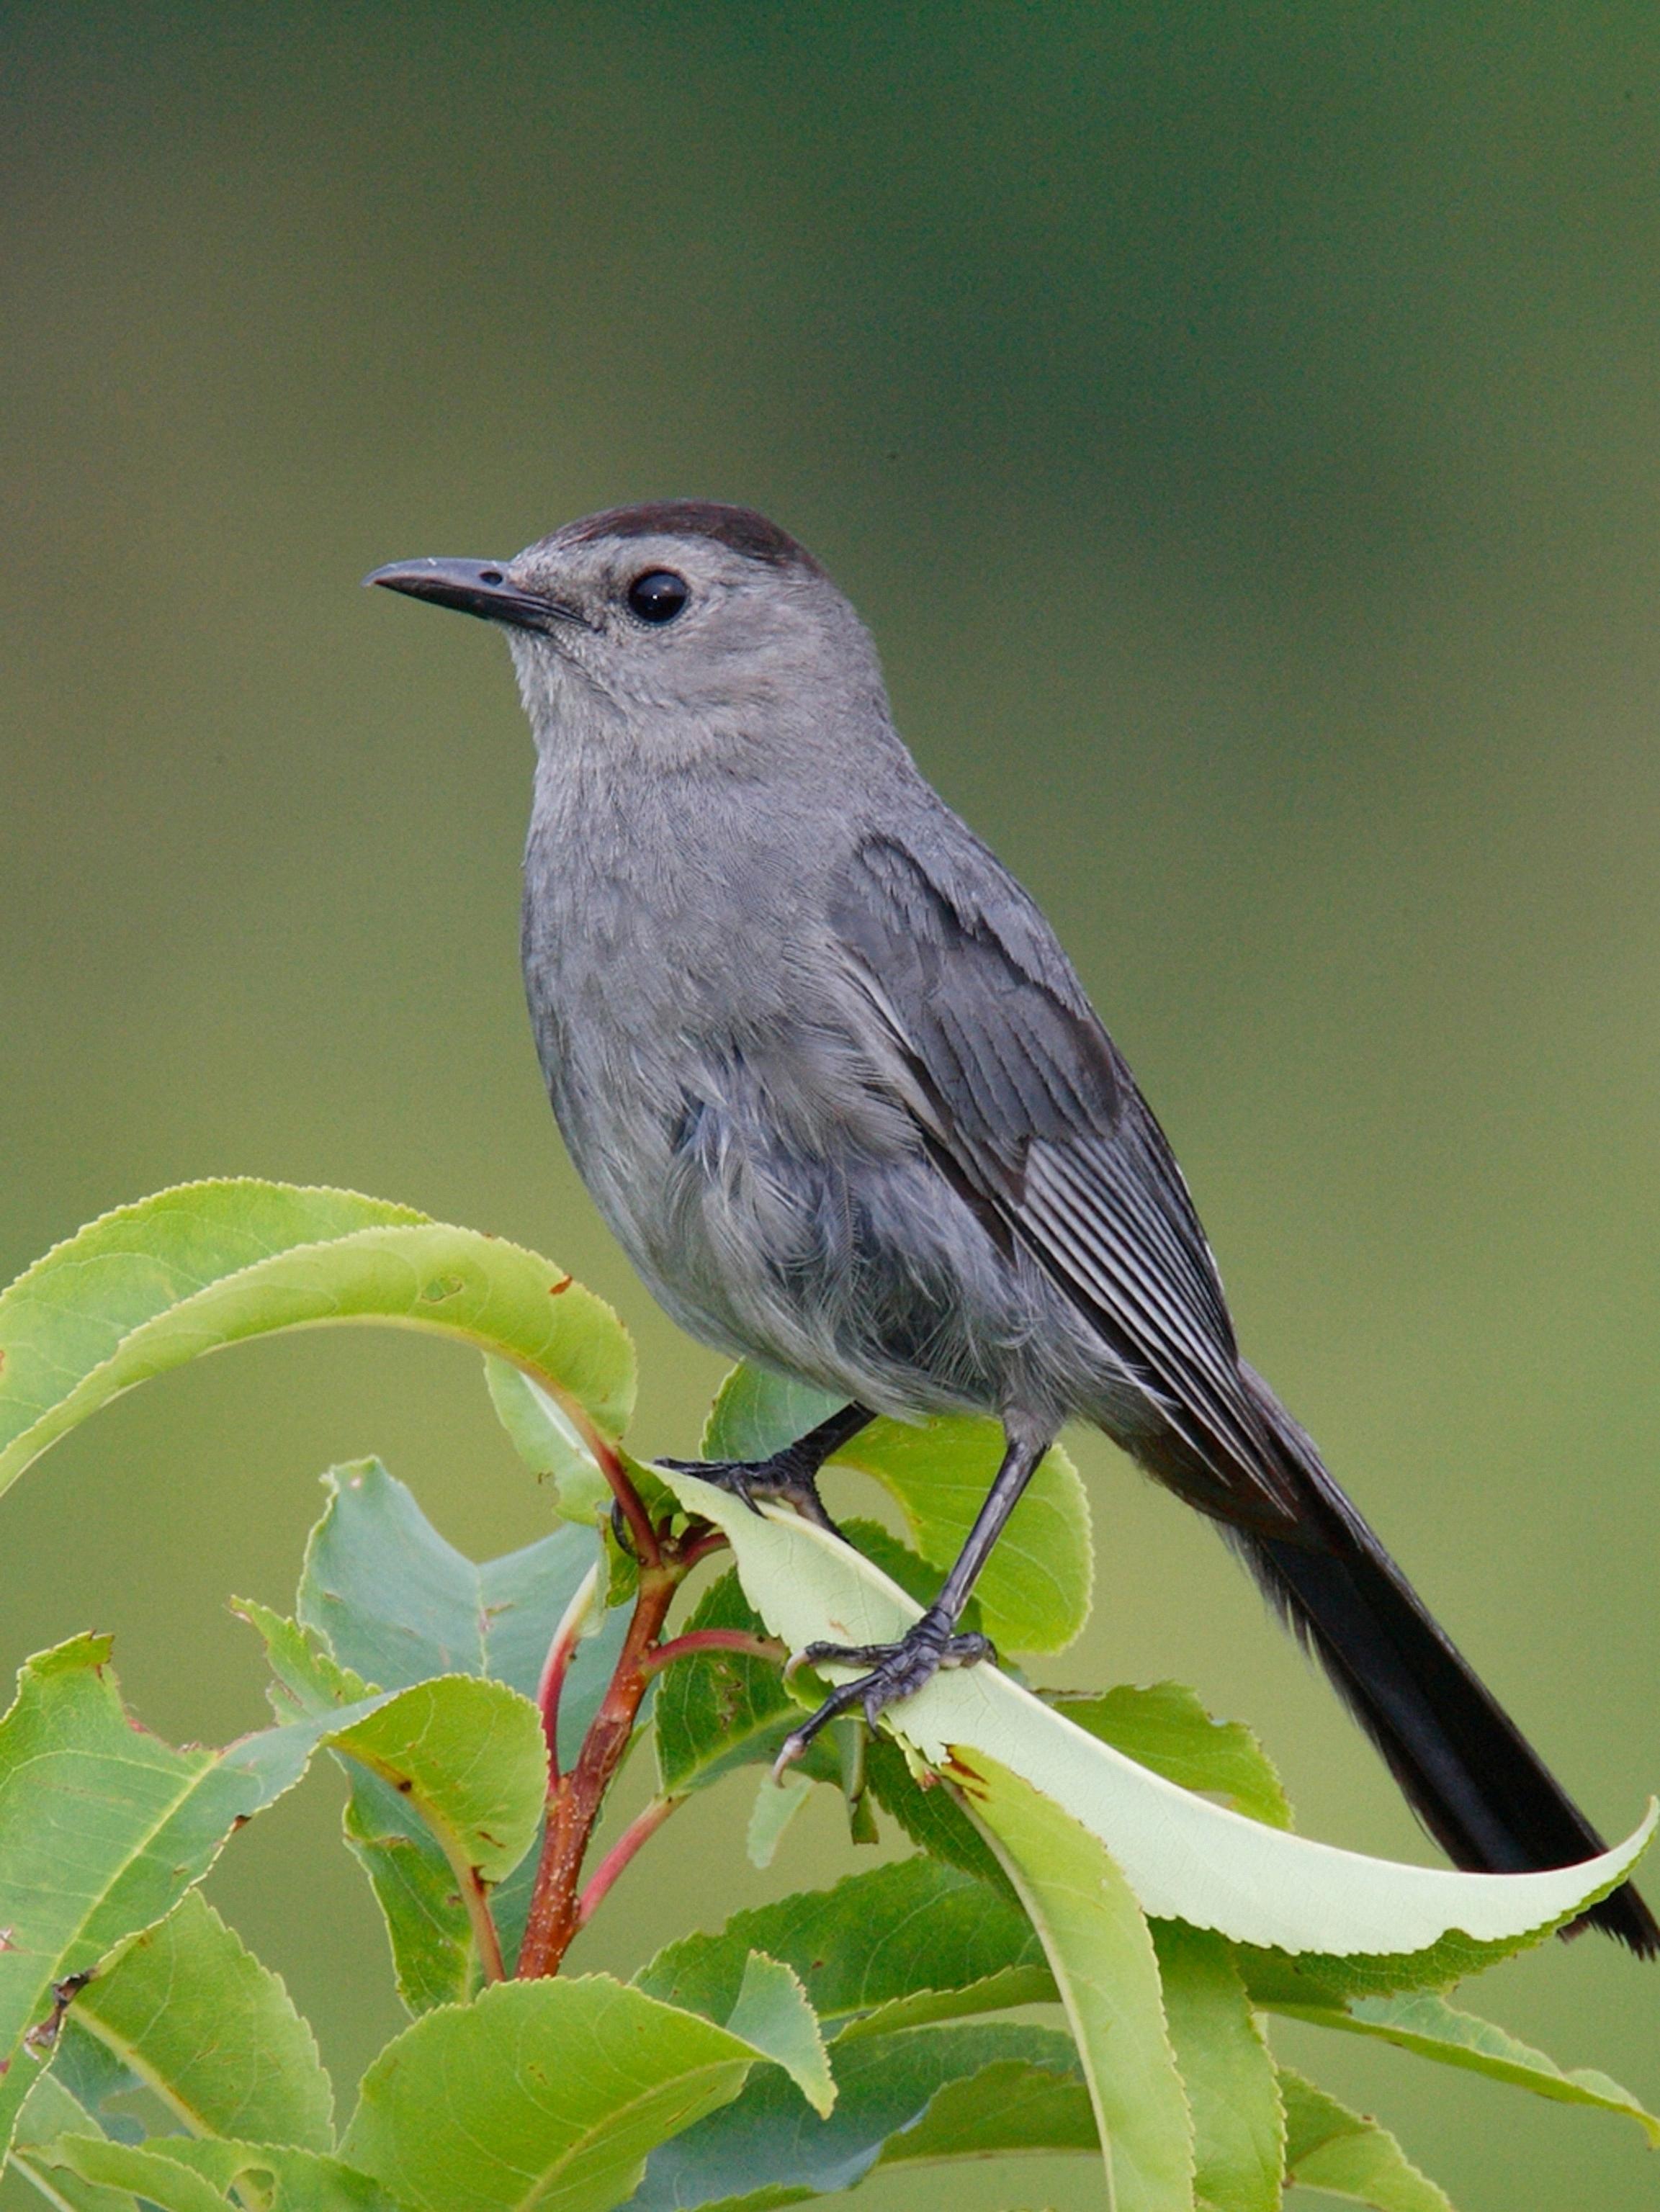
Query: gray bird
[[839, 1093]]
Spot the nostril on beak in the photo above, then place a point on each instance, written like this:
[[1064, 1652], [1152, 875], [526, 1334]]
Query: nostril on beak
[[491, 576]]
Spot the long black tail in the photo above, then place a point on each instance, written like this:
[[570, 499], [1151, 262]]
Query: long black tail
[[1464, 1766]]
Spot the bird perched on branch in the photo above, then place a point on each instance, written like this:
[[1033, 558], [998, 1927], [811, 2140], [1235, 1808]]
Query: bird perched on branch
[[838, 1091]]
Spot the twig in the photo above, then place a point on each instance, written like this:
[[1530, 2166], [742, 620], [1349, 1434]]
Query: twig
[[573, 1804], [700, 1546], [646, 1545], [716, 1639], [556, 1665], [639, 1829]]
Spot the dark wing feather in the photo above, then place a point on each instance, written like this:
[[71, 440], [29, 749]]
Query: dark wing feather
[[1023, 1100]]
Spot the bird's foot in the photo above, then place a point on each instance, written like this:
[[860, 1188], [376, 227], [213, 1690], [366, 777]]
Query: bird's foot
[[896, 1671], [784, 1477]]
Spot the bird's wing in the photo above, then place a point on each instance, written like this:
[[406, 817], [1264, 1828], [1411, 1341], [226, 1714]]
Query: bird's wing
[[1024, 1103]]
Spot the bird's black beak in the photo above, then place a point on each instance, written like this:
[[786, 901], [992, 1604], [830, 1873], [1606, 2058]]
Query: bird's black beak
[[473, 588]]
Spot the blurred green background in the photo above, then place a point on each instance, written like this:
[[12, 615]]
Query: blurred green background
[[1240, 426]]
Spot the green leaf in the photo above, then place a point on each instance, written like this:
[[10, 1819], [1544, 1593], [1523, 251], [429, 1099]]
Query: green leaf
[[549, 2093], [720, 1709], [772, 2014], [549, 1441], [1329, 2147], [420, 1827], [1008, 2107], [756, 1414], [910, 1930], [1164, 1726], [766, 2148], [1239, 2128], [1428, 2026], [103, 1827], [1184, 1856], [153, 1285], [399, 1602], [1034, 1593], [212, 2031], [433, 1938], [1101, 1953], [51, 2111], [182, 2175], [469, 1756]]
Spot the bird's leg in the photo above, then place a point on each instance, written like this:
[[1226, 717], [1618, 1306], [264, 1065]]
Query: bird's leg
[[791, 1474], [898, 1670]]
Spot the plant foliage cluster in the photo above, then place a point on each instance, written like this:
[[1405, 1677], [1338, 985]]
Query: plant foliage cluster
[[1105, 1902]]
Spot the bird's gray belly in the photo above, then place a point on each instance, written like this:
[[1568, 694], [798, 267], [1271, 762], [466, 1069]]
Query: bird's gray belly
[[833, 1253]]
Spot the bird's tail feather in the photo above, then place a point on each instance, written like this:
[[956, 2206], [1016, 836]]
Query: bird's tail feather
[[1466, 1769]]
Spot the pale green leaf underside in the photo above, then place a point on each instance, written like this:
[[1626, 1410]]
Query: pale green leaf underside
[[548, 1442], [1185, 1858], [772, 2013], [153, 1285]]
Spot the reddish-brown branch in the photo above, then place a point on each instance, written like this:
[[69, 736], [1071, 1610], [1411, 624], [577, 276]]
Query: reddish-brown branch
[[554, 1667], [700, 1547], [717, 1639], [573, 1803], [639, 1829], [646, 1547]]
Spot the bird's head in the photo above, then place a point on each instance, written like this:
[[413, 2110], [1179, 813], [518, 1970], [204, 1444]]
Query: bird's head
[[682, 627]]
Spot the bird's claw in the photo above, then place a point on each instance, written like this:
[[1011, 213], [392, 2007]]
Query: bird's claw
[[760, 1481], [896, 1671]]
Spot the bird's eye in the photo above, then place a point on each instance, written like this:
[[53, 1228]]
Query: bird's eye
[[658, 595]]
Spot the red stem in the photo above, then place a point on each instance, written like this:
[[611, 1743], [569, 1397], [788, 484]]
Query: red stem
[[647, 1551], [716, 1639], [573, 1804], [639, 1829], [554, 1667]]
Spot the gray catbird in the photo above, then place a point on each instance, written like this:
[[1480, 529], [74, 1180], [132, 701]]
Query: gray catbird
[[838, 1091]]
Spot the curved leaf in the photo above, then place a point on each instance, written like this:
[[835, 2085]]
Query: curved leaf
[[1238, 2126], [772, 2013], [1035, 1592], [50, 2111], [198, 2020], [875, 1940], [152, 1285], [103, 1827], [180, 2174], [549, 2093], [1164, 1726], [1328, 2147], [1185, 1858], [767, 2148], [1100, 1952], [1430, 2028]]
